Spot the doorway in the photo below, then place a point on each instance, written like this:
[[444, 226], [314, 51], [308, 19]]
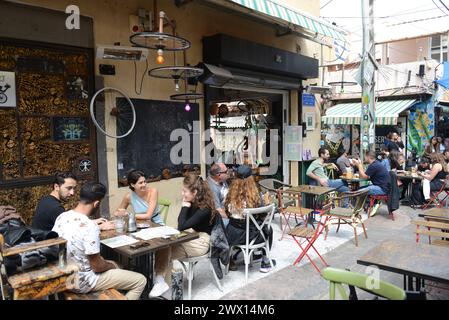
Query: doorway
[[247, 127]]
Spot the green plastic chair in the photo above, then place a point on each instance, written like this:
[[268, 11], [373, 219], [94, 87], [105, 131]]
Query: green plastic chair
[[338, 277], [164, 205]]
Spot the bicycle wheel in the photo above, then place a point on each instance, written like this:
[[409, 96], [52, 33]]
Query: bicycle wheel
[[112, 112]]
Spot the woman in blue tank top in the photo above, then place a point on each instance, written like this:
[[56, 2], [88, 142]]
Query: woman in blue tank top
[[143, 199]]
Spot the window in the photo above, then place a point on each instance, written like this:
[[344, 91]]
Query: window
[[439, 48]]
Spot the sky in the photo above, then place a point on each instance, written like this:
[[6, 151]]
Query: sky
[[393, 19]]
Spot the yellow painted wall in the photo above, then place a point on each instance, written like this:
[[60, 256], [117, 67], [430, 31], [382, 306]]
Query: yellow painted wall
[[194, 21]]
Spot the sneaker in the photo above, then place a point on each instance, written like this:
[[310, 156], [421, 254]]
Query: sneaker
[[159, 288], [232, 265], [265, 266], [374, 209], [257, 257]]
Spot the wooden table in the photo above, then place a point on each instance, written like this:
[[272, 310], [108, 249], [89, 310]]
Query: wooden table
[[419, 261], [440, 214], [315, 191], [142, 259]]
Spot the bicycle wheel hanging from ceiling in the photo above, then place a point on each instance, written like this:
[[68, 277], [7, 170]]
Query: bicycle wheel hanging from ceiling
[[112, 112], [160, 40]]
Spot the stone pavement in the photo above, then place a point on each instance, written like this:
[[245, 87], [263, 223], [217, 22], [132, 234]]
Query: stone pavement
[[302, 282]]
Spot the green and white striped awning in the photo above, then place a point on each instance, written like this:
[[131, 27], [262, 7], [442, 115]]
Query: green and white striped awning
[[277, 10], [387, 112]]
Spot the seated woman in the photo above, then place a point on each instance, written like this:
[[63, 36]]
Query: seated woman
[[244, 193], [434, 146], [142, 198], [198, 214], [435, 176]]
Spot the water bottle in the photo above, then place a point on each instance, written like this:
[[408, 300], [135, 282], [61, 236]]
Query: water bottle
[[132, 227]]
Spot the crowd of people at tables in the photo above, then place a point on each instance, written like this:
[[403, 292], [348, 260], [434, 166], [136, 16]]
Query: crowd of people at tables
[[431, 167], [204, 203]]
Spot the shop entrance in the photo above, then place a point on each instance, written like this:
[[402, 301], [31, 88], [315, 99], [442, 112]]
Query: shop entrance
[[246, 127]]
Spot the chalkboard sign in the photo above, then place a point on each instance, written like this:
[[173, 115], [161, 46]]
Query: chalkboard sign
[[148, 146]]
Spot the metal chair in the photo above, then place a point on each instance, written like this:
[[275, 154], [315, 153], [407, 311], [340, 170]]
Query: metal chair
[[351, 215], [338, 277], [309, 236], [250, 246], [434, 197], [188, 265]]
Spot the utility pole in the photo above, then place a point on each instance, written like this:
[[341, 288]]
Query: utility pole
[[368, 67]]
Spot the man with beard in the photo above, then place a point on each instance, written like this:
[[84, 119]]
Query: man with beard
[[83, 248], [50, 206]]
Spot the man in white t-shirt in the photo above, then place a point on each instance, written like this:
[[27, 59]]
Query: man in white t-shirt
[[83, 247]]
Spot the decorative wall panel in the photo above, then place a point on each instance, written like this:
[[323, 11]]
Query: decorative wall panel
[[53, 84]]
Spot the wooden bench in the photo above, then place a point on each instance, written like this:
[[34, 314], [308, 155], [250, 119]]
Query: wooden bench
[[38, 282], [109, 294], [426, 229]]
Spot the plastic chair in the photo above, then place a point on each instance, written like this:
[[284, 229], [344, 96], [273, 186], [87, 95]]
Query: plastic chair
[[164, 205], [250, 246], [352, 215], [338, 277], [188, 265]]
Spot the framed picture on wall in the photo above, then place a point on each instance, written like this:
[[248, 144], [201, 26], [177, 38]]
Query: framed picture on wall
[[70, 129], [310, 121]]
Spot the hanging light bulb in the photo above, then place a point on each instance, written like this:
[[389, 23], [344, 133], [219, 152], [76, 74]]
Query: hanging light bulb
[[177, 85], [160, 56], [187, 107]]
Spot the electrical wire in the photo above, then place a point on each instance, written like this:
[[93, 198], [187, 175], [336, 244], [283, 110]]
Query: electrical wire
[[436, 5], [441, 1], [135, 77], [326, 4]]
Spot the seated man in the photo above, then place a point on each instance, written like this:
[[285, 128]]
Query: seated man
[[319, 177], [50, 207], [376, 173], [343, 162], [218, 175], [83, 247]]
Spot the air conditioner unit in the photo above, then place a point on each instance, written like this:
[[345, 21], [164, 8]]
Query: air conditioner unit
[[122, 53]]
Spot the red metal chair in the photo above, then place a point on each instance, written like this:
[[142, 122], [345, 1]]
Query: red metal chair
[[380, 198], [292, 211], [435, 194], [308, 236]]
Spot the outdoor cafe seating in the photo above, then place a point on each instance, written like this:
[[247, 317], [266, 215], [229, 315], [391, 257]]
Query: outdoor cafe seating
[[255, 229], [38, 282], [351, 216], [305, 237]]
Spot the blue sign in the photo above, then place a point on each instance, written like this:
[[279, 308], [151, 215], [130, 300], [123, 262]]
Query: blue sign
[[308, 99]]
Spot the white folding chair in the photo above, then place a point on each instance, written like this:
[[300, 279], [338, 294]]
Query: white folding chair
[[250, 245], [188, 265]]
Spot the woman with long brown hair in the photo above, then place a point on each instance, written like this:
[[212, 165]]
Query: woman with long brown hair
[[198, 214], [243, 194], [435, 176]]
